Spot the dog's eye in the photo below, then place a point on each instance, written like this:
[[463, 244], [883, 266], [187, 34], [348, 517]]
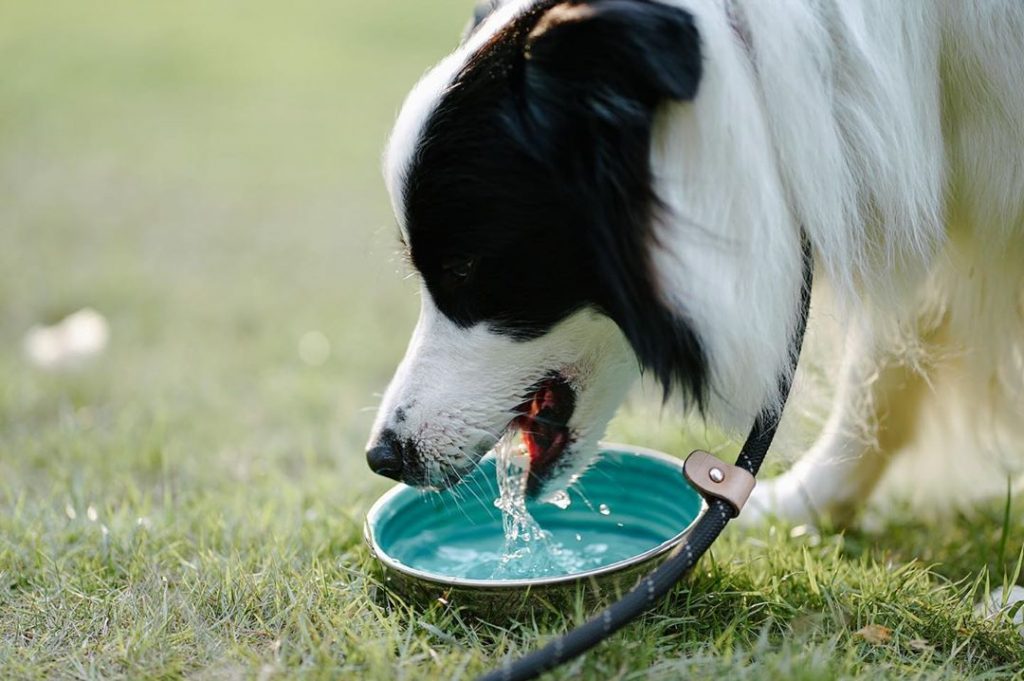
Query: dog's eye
[[459, 269]]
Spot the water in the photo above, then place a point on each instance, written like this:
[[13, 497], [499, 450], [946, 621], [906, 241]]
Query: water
[[474, 557], [486, 529], [530, 550]]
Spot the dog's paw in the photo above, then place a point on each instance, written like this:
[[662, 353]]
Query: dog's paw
[[779, 500]]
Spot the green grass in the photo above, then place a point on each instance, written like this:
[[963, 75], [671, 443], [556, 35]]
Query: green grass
[[206, 175]]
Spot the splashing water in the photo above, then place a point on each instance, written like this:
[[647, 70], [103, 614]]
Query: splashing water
[[529, 549], [573, 534], [523, 536]]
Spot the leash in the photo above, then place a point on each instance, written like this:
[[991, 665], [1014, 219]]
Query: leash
[[724, 487]]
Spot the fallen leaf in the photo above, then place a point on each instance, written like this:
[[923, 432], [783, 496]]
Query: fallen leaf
[[875, 634]]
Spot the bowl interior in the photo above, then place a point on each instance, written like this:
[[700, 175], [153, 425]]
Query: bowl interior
[[627, 504]]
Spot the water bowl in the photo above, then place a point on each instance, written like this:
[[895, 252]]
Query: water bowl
[[624, 516]]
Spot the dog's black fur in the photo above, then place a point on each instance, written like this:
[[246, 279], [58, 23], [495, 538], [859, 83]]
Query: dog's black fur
[[530, 196]]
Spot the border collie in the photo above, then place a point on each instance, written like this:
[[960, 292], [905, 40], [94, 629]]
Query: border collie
[[591, 187]]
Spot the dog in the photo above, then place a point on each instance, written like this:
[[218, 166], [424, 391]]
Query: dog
[[592, 189]]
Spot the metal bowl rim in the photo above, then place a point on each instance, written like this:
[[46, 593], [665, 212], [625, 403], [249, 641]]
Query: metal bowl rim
[[372, 517]]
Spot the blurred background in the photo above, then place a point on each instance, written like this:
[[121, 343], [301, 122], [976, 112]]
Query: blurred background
[[205, 176], [203, 179]]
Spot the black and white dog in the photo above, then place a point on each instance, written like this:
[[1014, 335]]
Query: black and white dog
[[586, 187]]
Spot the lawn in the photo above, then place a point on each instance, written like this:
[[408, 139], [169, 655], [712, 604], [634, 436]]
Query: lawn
[[206, 175]]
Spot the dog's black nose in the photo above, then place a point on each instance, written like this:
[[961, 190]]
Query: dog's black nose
[[385, 458]]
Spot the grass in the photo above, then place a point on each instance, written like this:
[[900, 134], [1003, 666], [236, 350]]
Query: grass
[[206, 175]]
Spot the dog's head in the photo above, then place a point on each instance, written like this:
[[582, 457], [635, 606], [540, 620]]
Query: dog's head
[[520, 173]]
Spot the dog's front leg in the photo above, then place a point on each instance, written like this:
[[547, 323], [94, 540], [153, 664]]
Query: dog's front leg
[[871, 418]]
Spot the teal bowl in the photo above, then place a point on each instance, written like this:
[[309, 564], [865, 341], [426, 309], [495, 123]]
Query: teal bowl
[[625, 515]]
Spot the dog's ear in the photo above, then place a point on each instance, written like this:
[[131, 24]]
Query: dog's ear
[[614, 53], [594, 75]]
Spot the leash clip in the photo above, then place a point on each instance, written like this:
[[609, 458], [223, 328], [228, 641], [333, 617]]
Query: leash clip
[[715, 479]]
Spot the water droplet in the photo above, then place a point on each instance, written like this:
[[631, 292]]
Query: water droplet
[[604, 510], [579, 537], [560, 499], [91, 514]]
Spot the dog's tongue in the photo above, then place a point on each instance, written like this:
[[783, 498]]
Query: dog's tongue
[[543, 426]]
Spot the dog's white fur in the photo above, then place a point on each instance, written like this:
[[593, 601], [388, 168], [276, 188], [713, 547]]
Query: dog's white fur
[[457, 388], [893, 134]]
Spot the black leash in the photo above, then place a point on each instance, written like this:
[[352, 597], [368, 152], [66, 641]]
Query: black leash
[[654, 586]]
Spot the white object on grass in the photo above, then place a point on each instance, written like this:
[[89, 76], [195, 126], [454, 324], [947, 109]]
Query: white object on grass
[[78, 338], [999, 602]]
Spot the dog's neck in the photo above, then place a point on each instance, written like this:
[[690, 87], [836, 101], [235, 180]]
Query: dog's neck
[[729, 261]]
